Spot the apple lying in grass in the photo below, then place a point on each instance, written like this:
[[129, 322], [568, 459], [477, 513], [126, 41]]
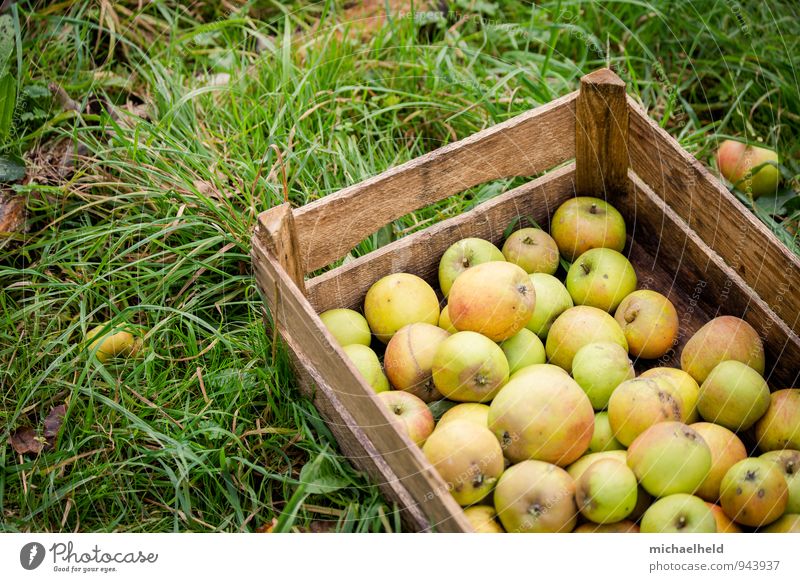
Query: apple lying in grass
[[552, 299], [599, 368], [577, 327], [536, 497], [686, 387], [523, 349], [754, 492], [750, 168], [542, 415], [638, 404], [584, 223], [369, 366], [347, 326], [495, 299], [779, 428], [723, 338], [410, 413], [601, 278], [606, 491], [532, 249], [469, 367], [670, 458], [110, 342], [409, 359], [727, 449], [398, 300], [733, 395], [462, 255], [650, 323], [679, 513], [483, 519], [467, 457], [788, 461]]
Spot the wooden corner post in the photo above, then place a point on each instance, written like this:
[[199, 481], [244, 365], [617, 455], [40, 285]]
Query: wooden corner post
[[277, 232], [601, 136]]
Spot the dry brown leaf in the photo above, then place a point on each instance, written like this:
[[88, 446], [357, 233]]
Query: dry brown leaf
[[52, 424], [12, 213], [24, 441]]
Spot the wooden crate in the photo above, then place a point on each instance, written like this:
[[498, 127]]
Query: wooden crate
[[689, 238]]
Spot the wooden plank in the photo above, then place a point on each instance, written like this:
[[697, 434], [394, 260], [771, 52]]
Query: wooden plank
[[276, 230], [340, 390], [718, 218], [522, 146], [699, 281], [601, 135], [419, 253]]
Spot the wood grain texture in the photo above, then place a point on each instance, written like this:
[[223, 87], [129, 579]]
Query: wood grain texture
[[700, 283], [419, 253], [277, 232], [716, 216], [601, 135], [522, 146], [363, 425]]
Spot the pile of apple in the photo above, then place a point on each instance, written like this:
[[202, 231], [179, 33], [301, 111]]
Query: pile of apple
[[547, 427]]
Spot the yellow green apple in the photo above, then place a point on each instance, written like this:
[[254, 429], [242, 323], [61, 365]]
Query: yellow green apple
[[552, 299], [606, 492], [396, 300], [468, 411], [409, 359], [469, 367], [584, 223], [733, 395], [347, 326], [369, 366], [601, 278], [483, 519], [779, 428], [577, 468], [410, 414], [638, 404], [788, 523], [727, 449], [649, 322], [536, 497], [110, 342], [542, 415], [788, 461], [462, 255], [624, 526], [532, 249], [754, 492], [495, 299], [523, 349], [599, 368], [679, 513], [467, 457], [750, 168], [577, 327], [444, 321], [669, 458], [722, 338], [603, 437]]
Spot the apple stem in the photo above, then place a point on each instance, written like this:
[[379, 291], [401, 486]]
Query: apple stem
[[593, 209]]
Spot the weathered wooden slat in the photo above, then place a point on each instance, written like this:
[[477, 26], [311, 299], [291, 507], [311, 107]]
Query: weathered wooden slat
[[601, 135], [523, 146], [277, 231], [419, 253], [702, 280], [363, 425], [716, 216]]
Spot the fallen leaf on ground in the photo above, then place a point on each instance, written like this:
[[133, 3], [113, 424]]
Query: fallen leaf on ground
[[52, 424], [12, 213], [24, 441]]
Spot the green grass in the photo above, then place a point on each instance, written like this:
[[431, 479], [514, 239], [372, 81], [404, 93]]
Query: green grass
[[152, 228]]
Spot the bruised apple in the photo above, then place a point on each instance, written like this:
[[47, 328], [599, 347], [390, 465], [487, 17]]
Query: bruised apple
[[788, 461], [532, 249], [723, 338], [578, 327], [469, 367], [409, 359], [467, 457], [638, 404], [649, 322], [398, 300], [754, 492], [495, 299], [685, 386], [584, 223], [462, 255]]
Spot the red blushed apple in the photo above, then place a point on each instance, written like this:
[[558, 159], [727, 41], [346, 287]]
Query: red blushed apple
[[779, 428], [411, 414], [650, 323], [724, 523], [585, 223], [722, 338], [726, 450], [737, 161]]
